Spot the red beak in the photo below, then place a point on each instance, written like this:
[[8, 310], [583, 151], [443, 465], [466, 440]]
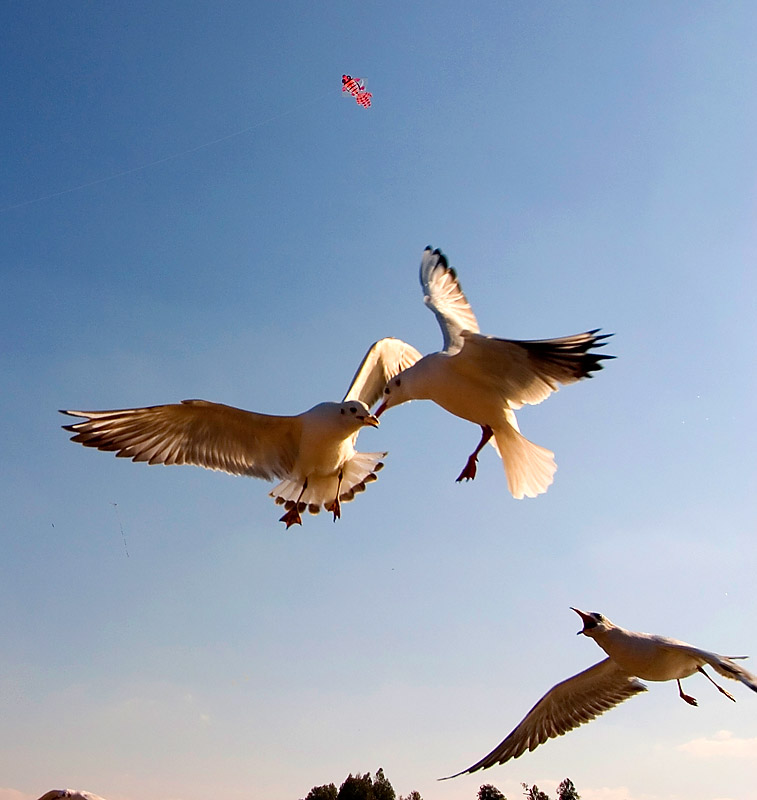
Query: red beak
[[584, 617]]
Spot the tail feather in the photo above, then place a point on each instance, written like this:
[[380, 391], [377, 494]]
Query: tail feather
[[529, 468], [321, 490], [724, 666]]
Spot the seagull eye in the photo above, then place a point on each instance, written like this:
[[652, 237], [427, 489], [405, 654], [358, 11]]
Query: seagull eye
[[397, 382], [353, 410], [387, 390], [341, 411]]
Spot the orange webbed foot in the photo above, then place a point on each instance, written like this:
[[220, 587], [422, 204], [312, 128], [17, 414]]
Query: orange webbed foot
[[292, 517]]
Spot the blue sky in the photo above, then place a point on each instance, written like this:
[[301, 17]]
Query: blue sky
[[583, 165]]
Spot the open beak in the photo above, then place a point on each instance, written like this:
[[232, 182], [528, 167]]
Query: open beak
[[369, 419], [380, 410], [585, 617]]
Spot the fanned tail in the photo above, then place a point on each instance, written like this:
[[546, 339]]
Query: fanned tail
[[358, 472], [529, 468]]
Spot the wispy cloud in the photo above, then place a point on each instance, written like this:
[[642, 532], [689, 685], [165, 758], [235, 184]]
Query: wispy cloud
[[13, 794], [722, 745], [615, 793]]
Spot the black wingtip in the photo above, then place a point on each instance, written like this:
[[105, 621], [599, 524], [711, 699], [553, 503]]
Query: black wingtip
[[450, 777]]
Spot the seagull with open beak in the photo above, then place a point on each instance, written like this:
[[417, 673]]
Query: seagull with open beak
[[582, 698]]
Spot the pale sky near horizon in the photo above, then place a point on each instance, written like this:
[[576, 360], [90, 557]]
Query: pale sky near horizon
[[583, 165]]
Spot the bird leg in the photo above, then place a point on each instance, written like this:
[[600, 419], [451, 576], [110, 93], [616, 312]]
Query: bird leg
[[719, 688], [292, 517], [336, 507], [469, 471], [687, 697]]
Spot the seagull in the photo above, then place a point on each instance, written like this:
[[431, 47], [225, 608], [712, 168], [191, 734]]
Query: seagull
[[313, 453], [69, 794], [483, 379], [585, 696]]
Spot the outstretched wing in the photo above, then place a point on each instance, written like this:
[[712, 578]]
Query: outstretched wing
[[564, 707], [529, 371], [197, 432], [385, 359], [443, 295]]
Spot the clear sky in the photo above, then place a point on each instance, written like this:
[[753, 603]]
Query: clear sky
[[583, 164]]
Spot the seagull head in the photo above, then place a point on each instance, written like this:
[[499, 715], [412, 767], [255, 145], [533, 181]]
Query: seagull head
[[594, 622], [359, 412], [395, 392]]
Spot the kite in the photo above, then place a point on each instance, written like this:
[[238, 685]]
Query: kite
[[355, 87]]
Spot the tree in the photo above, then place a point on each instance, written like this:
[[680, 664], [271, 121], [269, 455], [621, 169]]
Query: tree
[[489, 792], [534, 793], [358, 787], [567, 791], [325, 792], [382, 789]]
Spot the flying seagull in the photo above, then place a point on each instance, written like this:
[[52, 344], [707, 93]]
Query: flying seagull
[[585, 696], [483, 379], [312, 454], [69, 794]]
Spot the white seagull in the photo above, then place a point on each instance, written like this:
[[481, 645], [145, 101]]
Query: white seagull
[[585, 696], [483, 379], [313, 453], [69, 794]]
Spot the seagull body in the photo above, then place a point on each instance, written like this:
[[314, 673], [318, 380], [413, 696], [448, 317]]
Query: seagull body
[[585, 696], [312, 454], [69, 794], [484, 379]]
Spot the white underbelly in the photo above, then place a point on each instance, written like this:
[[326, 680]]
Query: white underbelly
[[654, 664], [466, 400]]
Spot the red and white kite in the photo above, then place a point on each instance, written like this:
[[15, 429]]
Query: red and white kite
[[355, 87]]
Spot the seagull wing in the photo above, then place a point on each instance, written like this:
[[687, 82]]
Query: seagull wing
[[196, 432], [576, 700], [385, 359], [443, 295], [529, 371]]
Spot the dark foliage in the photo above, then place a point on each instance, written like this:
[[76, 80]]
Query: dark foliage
[[567, 791], [325, 792], [489, 792], [360, 787], [534, 793]]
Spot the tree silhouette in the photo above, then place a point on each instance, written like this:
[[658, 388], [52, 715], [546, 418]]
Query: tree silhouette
[[534, 793], [357, 787], [325, 792], [382, 789], [360, 787], [489, 792], [567, 791]]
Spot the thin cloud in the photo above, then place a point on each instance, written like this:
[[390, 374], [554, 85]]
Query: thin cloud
[[722, 745], [616, 793]]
